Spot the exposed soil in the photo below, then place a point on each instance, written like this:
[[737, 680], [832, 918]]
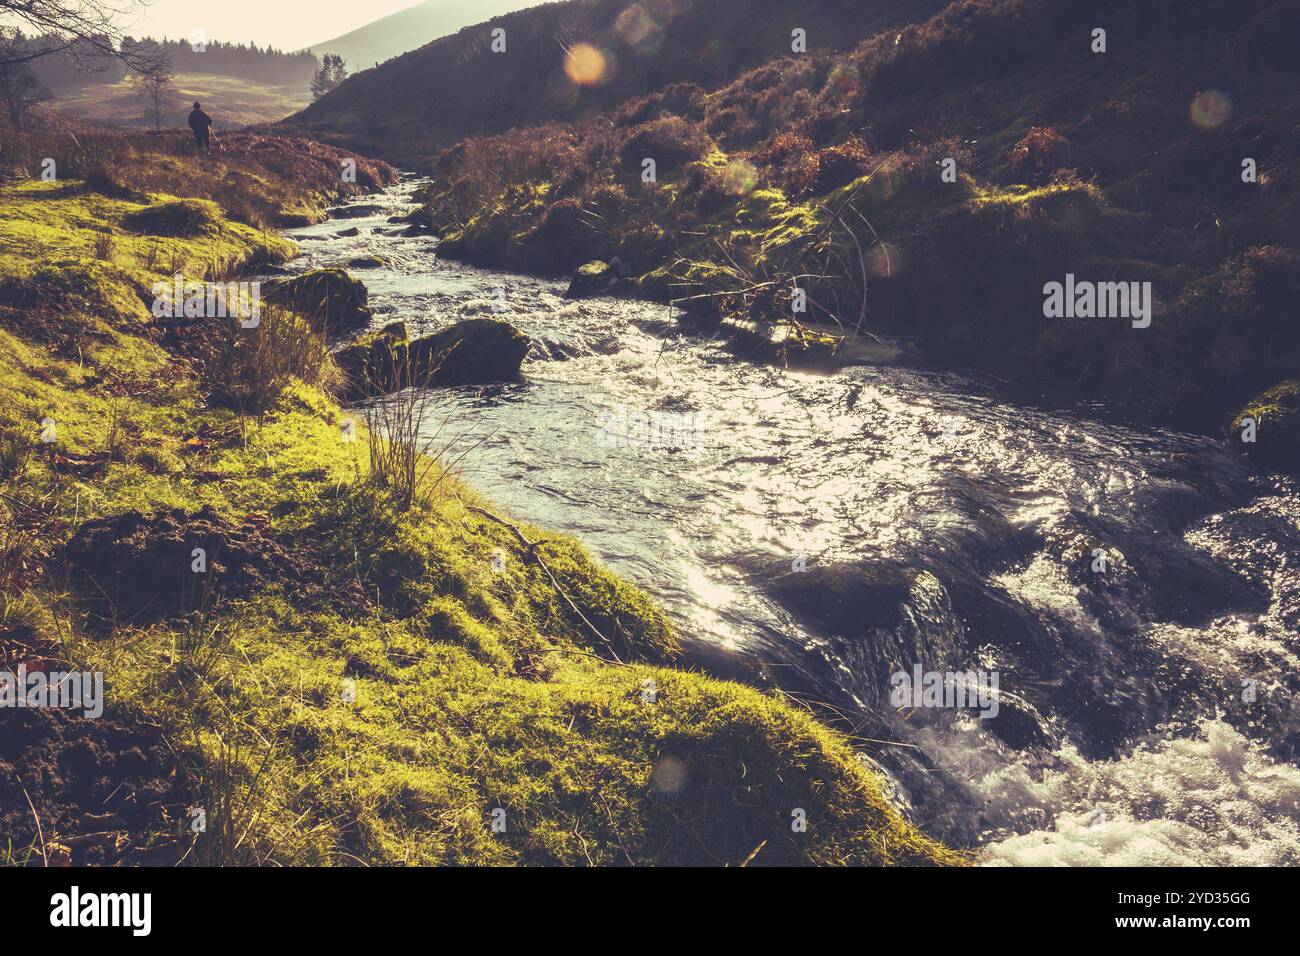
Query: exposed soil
[[140, 568], [97, 787]]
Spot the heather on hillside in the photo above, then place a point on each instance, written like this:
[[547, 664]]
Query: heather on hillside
[[568, 60], [928, 183]]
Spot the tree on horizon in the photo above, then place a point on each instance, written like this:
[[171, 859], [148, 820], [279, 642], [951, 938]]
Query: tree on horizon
[[331, 73]]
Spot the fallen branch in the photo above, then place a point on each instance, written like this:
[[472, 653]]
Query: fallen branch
[[532, 548]]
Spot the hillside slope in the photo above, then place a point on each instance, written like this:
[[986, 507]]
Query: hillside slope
[[563, 59], [409, 29], [1128, 165]]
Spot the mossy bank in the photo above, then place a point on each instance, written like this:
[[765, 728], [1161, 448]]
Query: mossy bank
[[343, 679]]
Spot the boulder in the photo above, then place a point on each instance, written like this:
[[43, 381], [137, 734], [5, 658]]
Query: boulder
[[369, 365], [297, 218], [472, 352], [601, 278], [589, 280], [357, 211], [332, 300], [846, 599], [1274, 418]]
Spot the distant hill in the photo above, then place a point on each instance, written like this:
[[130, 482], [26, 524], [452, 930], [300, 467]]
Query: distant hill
[[416, 104], [408, 29]]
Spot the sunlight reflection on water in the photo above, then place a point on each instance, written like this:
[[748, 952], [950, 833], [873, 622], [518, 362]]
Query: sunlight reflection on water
[[997, 508]]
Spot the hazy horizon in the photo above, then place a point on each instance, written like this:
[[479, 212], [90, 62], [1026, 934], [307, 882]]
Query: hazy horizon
[[287, 25]]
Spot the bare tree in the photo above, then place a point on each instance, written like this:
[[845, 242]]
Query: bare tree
[[153, 85], [87, 28], [20, 90], [156, 91]]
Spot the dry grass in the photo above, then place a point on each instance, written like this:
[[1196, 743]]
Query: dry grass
[[257, 178], [413, 451], [248, 368], [16, 552]]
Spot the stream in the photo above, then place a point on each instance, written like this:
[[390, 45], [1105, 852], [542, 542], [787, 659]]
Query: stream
[[1136, 590]]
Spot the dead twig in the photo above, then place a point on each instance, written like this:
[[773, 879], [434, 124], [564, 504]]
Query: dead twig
[[753, 853], [532, 548], [40, 833]]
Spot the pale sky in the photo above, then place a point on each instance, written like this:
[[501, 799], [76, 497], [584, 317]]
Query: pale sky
[[285, 24]]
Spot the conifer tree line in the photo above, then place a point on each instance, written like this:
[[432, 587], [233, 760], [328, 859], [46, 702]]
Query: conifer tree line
[[58, 64]]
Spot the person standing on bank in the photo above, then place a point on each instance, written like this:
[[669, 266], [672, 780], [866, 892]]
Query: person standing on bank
[[200, 122]]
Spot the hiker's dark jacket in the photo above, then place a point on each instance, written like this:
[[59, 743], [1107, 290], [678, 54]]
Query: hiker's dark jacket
[[199, 121]]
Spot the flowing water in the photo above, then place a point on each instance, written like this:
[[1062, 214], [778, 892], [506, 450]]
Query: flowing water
[[1136, 590]]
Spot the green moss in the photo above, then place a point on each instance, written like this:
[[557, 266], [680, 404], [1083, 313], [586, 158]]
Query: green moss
[[771, 222], [88, 288], [1023, 195], [440, 734], [1275, 417], [686, 278], [47, 223], [184, 218], [452, 681], [332, 299]]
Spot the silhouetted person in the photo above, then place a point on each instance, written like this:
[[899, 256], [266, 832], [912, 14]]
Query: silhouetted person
[[200, 122]]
